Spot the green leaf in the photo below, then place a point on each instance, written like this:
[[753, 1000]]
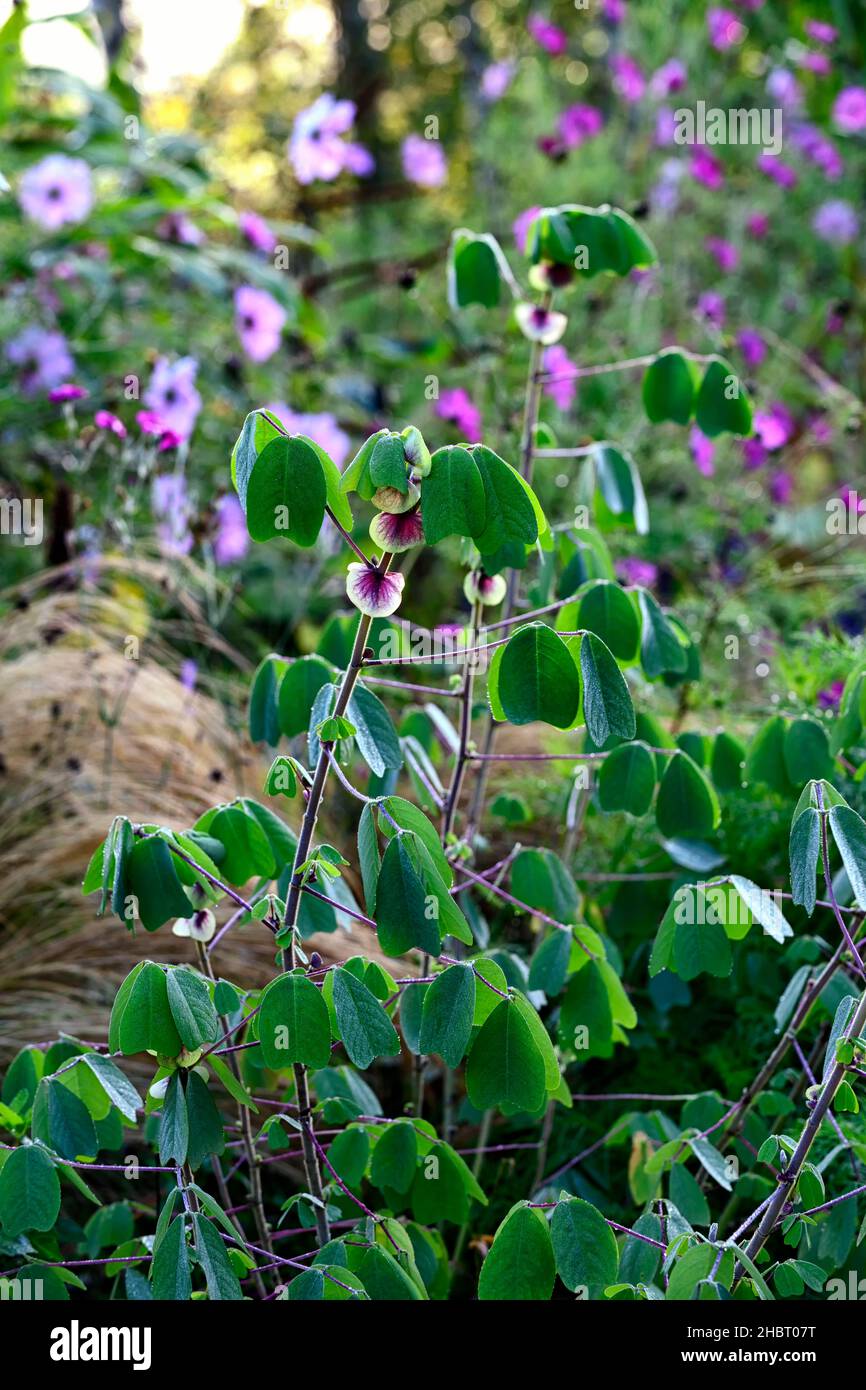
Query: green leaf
[[627, 779], [688, 1197], [368, 856], [443, 1188], [293, 1024], [610, 484], [286, 493], [807, 752], [222, 1282], [452, 498], [388, 464], [395, 1158], [520, 1264], [549, 966], [263, 715], [475, 270], [446, 1018], [247, 851], [661, 650], [509, 516], [765, 761], [336, 498], [803, 849], [349, 1153], [151, 878], [584, 1246], [146, 1023], [29, 1192], [607, 707], [849, 832], [174, 1124], [299, 687], [687, 804], [540, 879], [726, 762], [505, 1067], [401, 903], [374, 732], [118, 1088], [194, 1015], [206, 1135], [605, 609], [722, 404], [385, 1279], [586, 1016], [356, 477], [170, 1268], [538, 679], [365, 1028], [670, 387], [257, 432]]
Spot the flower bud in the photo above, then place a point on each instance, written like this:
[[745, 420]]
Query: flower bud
[[488, 589]]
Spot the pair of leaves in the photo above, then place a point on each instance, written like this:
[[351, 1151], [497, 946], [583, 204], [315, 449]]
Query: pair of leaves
[[674, 390], [527, 1254], [162, 1011], [284, 482], [535, 677]]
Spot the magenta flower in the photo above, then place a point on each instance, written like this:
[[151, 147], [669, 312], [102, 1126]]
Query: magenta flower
[[455, 406], [322, 428], [725, 29], [486, 589], [613, 11], [632, 570], [775, 169], [548, 36], [754, 453], [820, 32], [521, 224], [578, 123], [496, 79], [711, 306], [831, 697], [849, 110], [563, 391], [149, 422], [707, 169], [724, 253], [774, 427], [56, 192], [816, 147], [752, 346], [628, 80], [171, 507], [317, 149], [172, 397], [836, 222], [232, 539], [67, 391], [703, 451], [179, 228], [374, 593], [43, 357], [169, 439], [781, 487], [259, 320], [105, 420], [816, 62], [757, 225], [424, 161], [821, 429], [669, 78], [257, 232], [397, 531]]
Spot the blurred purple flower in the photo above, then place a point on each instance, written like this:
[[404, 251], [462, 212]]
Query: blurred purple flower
[[548, 36], [784, 88], [613, 11], [633, 570], [775, 169], [424, 161], [256, 231], [703, 451], [322, 428], [820, 32], [171, 507], [754, 453], [317, 150], [849, 110], [781, 487], [666, 126], [179, 228], [105, 420], [831, 696], [724, 253], [757, 225], [562, 393], [628, 80], [149, 422], [669, 78], [711, 306], [836, 222], [821, 429], [259, 321], [775, 426], [816, 62], [579, 123], [705, 168], [496, 79], [43, 356], [56, 192], [752, 346], [171, 395], [456, 406], [232, 538], [521, 224], [188, 674], [818, 149], [725, 29], [67, 391]]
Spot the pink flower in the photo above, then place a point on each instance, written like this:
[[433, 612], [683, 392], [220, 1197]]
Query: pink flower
[[43, 356], [521, 224], [774, 427], [578, 123], [757, 225], [548, 36], [703, 451], [317, 149], [56, 192], [105, 420], [169, 439], [562, 392], [849, 110], [259, 320], [669, 78], [784, 88], [171, 397], [613, 11], [455, 406], [836, 222], [707, 169], [724, 253], [820, 151], [496, 79], [752, 346], [374, 593], [149, 422], [424, 162], [67, 391], [725, 29], [322, 428], [816, 62], [820, 32], [632, 570], [775, 169], [177, 227], [711, 306], [257, 232], [628, 80], [232, 539]]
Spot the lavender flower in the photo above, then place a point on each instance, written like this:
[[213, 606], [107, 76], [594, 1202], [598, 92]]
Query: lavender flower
[[171, 396], [67, 391], [257, 232], [703, 452], [669, 78], [171, 507], [317, 149], [496, 79], [56, 192], [562, 392], [321, 427], [232, 538], [579, 123], [628, 80], [752, 346], [43, 357], [424, 162], [259, 320], [521, 224], [725, 29], [775, 426], [836, 222]]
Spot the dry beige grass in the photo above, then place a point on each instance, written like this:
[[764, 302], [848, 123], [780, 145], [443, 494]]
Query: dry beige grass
[[65, 771]]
